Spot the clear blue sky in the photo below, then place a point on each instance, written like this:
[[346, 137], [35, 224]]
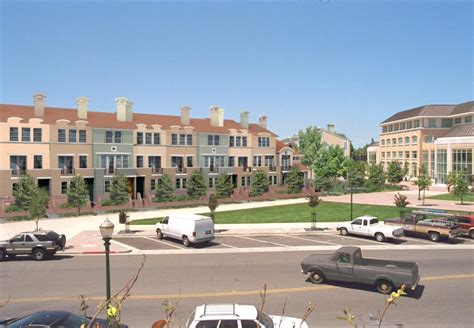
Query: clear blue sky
[[352, 63]]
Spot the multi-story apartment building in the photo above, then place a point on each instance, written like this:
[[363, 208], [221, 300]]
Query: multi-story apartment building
[[439, 136], [54, 144]]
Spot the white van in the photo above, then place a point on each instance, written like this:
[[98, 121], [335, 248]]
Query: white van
[[190, 228]]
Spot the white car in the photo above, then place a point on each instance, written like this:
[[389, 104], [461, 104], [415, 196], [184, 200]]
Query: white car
[[370, 226], [238, 316], [190, 228]]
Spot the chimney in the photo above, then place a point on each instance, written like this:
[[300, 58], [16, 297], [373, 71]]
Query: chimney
[[82, 104], [217, 116], [262, 121], [124, 109], [330, 127], [185, 115], [244, 120], [38, 100]]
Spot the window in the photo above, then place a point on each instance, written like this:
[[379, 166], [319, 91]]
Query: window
[[400, 155], [269, 161], [446, 122], [82, 136], [263, 141], [107, 186], [212, 182], [394, 142], [257, 161], [154, 162], [181, 183], [231, 141], [139, 161], [416, 124], [384, 129], [468, 119], [388, 142], [139, 138], [383, 142], [63, 187], [458, 120], [82, 162], [148, 138], [153, 184], [383, 154], [216, 140], [462, 160], [72, 135], [37, 135], [407, 140], [400, 141], [414, 140], [182, 139], [428, 139], [272, 179], [213, 140], [189, 161], [177, 161], [189, 140], [409, 125], [66, 164], [209, 324], [214, 161], [174, 139], [248, 324], [407, 154], [345, 257], [38, 161], [414, 154], [18, 165], [156, 138], [13, 134], [242, 161], [118, 137], [109, 136], [25, 134], [402, 126], [231, 161], [431, 122]]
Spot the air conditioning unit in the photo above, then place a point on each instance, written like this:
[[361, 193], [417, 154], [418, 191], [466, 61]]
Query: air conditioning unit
[[113, 148], [214, 150]]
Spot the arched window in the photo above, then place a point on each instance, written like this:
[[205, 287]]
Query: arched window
[[407, 140], [400, 141], [414, 140], [394, 141], [382, 142]]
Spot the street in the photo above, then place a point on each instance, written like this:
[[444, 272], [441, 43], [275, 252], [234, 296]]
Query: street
[[442, 299]]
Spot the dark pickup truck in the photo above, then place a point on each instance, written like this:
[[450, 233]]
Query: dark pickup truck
[[348, 265]]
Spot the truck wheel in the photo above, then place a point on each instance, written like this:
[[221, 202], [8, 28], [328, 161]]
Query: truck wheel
[[343, 232], [39, 254], [186, 242], [471, 234], [159, 234], [434, 236], [379, 237], [3, 255], [316, 277], [384, 286]]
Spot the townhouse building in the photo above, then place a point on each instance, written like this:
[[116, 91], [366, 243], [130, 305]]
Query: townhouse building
[[439, 136], [54, 144]]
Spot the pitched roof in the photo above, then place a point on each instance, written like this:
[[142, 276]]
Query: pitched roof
[[109, 120], [428, 110], [463, 108], [374, 144], [462, 130]]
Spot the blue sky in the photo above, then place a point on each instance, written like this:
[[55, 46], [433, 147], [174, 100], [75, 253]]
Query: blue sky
[[352, 63]]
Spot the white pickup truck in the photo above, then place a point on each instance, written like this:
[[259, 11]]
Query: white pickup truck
[[369, 226]]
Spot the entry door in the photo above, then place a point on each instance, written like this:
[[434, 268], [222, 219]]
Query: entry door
[[131, 187]]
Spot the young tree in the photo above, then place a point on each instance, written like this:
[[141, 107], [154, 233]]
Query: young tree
[[119, 190], [355, 173], [310, 145], [196, 186], [38, 204], [423, 181], [23, 192], [260, 183], [395, 172], [331, 163], [375, 177], [458, 184], [78, 193], [294, 180], [213, 204], [224, 186], [313, 201], [165, 189]]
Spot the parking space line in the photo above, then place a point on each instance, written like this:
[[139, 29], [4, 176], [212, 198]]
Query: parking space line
[[263, 241], [230, 246], [168, 244], [362, 239], [317, 241], [114, 241]]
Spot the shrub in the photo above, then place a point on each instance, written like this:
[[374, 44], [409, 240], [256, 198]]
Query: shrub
[[294, 181], [13, 208], [260, 183], [119, 190], [196, 185], [165, 190]]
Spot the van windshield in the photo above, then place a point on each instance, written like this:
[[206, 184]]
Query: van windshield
[[264, 319]]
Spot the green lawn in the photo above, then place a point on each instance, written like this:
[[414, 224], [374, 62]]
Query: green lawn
[[466, 198], [326, 212]]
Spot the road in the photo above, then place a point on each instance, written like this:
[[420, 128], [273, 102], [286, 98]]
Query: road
[[444, 298]]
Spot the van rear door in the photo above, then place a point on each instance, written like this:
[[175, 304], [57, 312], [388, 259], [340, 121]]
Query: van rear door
[[204, 229]]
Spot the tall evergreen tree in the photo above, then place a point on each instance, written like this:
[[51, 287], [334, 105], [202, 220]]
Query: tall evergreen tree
[[294, 180], [119, 189], [375, 177], [165, 189], [260, 183], [78, 193], [395, 172], [196, 185], [224, 186]]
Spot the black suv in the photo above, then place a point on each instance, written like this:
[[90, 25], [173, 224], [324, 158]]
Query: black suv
[[39, 243]]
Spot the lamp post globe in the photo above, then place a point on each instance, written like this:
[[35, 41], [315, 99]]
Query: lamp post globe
[[106, 229]]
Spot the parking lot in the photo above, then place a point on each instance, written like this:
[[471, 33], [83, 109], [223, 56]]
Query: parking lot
[[290, 241]]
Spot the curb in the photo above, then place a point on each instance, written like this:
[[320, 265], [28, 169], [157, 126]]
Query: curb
[[96, 252]]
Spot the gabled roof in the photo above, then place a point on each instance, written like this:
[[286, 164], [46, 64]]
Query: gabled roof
[[109, 120], [374, 144]]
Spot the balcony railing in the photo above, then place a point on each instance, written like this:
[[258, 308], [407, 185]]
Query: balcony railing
[[110, 170], [18, 172], [67, 171], [285, 168], [272, 168], [214, 169], [181, 170], [157, 170], [247, 168]]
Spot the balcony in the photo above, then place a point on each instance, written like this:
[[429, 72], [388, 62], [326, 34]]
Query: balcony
[[110, 170], [67, 171], [246, 168], [285, 168], [180, 170], [157, 170], [213, 169], [19, 171], [272, 168]]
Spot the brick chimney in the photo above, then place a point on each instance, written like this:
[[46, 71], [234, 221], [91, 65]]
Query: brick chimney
[[244, 119], [185, 119], [262, 121], [330, 127], [124, 109], [217, 116], [38, 101], [82, 105]]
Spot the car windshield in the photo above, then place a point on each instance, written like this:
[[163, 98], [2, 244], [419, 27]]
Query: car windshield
[[264, 319]]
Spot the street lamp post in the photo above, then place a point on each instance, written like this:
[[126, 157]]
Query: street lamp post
[[107, 229]]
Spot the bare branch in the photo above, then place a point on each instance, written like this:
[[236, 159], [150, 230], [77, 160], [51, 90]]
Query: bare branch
[[309, 310], [263, 297]]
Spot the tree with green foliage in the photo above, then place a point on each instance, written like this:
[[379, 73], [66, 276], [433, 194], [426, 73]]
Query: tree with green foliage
[[310, 145], [331, 163], [458, 184], [355, 173], [196, 185], [23, 192], [359, 154], [423, 181], [260, 183], [294, 180], [313, 201], [322, 183], [165, 190], [395, 172], [224, 185], [78, 193], [375, 177], [38, 204], [119, 190], [213, 203]]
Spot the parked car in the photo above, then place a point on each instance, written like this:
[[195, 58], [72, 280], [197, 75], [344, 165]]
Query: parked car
[[369, 226], [53, 319], [40, 244], [465, 222], [348, 265], [418, 224], [189, 228], [238, 316]]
